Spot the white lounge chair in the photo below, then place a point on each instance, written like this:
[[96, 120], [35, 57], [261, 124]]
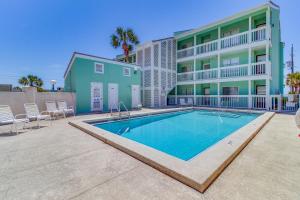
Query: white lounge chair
[[52, 109], [33, 113], [62, 106], [182, 102], [190, 102], [7, 117]]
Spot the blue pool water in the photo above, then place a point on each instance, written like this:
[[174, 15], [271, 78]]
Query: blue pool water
[[180, 134]]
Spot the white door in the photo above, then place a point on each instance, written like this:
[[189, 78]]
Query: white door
[[135, 95], [96, 96], [113, 96]]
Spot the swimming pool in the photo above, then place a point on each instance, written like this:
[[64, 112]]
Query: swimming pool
[[181, 134]]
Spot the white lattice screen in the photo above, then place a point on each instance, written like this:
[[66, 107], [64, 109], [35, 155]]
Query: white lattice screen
[[147, 57]]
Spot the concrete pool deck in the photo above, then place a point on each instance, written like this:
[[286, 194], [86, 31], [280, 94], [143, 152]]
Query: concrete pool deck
[[62, 162]]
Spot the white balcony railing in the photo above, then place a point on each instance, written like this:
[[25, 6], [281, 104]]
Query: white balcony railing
[[258, 68], [259, 101], [234, 101], [234, 71], [258, 34], [207, 74], [279, 103], [187, 76], [235, 40], [183, 53], [207, 100], [207, 47]]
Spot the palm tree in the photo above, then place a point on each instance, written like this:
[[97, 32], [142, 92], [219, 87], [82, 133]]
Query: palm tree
[[124, 38], [293, 80], [31, 80]]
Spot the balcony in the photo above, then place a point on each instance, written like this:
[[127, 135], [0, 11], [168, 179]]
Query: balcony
[[183, 53], [257, 35], [245, 70], [207, 74], [187, 76], [207, 47]]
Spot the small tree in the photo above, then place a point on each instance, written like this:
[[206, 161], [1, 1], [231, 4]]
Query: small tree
[[33, 81], [293, 81], [126, 39]]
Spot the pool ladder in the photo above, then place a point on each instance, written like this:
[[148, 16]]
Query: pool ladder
[[119, 112]]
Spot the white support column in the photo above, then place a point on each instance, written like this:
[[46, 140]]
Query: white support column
[[249, 95], [194, 76], [249, 32], [267, 94], [219, 99], [219, 48], [152, 75], [159, 76], [219, 38], [268, 35], [249, 61]]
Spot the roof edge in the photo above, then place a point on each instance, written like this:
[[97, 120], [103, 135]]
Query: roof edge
[[84, 55], [227, 19]]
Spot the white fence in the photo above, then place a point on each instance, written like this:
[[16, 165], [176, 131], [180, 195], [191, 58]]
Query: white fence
[[279, 103], [16, 100]]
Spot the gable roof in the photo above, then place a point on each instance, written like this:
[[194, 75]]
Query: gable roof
[[96, 58]]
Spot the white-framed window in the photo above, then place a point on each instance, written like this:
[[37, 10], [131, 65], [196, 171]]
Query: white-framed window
[[126, 71], [231, 61], [99, 68], [230, 90]]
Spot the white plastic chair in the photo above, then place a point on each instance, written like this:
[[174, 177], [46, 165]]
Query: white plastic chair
[[7, 117], [63, 107], [182, 102], [190, 102], [33, 113], [52, 109]]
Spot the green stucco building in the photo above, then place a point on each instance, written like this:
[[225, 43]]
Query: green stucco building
[[100, 83]]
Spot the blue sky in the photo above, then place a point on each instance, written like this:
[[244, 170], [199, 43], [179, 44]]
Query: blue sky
[[39, 36]]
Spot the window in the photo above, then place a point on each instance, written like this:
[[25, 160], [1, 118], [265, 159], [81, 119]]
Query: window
[[230, 90], [99, 68], [206, 66], [231, 61], [126, 71]]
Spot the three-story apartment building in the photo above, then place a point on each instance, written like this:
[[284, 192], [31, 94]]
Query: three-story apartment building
[[235, 62]]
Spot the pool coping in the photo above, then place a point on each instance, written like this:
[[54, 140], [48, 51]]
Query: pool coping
[[198, 172]]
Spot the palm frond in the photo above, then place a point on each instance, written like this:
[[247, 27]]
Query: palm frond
[[115, 41], [132, 36], [120, 32], [130, 47]]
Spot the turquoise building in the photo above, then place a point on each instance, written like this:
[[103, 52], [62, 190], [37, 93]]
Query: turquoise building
[[100, 83]]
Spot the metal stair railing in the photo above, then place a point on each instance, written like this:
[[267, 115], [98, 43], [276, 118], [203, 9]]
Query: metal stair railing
[[127, 113]]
